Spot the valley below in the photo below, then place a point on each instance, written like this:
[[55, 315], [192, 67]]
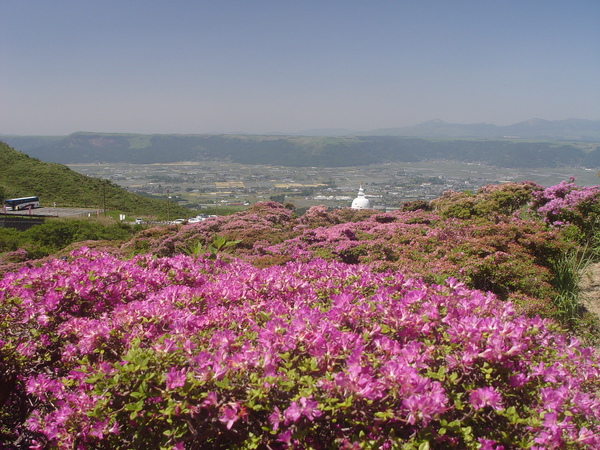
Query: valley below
[[210, 184]]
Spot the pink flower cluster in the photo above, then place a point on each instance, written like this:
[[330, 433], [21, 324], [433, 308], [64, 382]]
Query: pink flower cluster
[[557, 203], [182, 352]]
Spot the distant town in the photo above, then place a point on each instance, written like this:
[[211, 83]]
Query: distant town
[[214, 185]]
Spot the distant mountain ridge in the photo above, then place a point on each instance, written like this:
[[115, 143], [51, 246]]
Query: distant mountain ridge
[[562, 130], [533, 143]]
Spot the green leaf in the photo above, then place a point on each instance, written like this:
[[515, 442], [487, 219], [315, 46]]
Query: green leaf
[[424, 446], [388, 414], [137, 406], [223, 383]]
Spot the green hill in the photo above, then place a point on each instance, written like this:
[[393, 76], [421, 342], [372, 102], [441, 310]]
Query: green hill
[[22, 176]]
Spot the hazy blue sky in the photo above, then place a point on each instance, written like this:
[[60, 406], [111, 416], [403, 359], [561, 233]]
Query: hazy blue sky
[[177, 66]]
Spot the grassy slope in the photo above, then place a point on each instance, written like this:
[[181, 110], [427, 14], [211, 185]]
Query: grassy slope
[[21, 176]]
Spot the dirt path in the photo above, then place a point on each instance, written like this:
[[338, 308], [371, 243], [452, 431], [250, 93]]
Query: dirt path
[[590, 288]]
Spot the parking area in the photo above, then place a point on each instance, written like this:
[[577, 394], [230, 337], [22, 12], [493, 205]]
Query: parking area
[[54, 212]]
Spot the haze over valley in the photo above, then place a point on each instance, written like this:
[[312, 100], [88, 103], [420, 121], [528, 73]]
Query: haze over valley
[[208, 171]]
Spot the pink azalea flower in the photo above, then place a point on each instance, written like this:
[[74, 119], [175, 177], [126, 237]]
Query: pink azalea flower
[[488, 444], [305, 407], [292, 412], [229, 415], [486, 396], [175, 378], [275, 418]]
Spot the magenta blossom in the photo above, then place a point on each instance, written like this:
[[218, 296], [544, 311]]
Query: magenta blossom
[[318, 353], [175, 378], [230, 415], [306, 407], [486, 396]]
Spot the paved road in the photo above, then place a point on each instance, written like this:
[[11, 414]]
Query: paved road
[[56, 212]]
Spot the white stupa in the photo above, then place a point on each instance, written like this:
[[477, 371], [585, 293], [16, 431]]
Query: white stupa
[[361, 202]]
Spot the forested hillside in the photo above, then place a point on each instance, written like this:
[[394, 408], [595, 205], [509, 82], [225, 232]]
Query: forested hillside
[[302, 150], [21, 176]]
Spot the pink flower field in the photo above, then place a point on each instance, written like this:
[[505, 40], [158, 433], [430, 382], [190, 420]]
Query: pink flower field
[[336, 329]]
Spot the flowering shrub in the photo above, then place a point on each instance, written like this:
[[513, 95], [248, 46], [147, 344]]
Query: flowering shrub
[[494, 252], [493, 248], [18, 255], [265, 220], [508, 258], [567, 203], [184, 352], [15, 256], [490, 201]]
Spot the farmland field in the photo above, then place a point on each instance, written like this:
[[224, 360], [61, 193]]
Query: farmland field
[[211, 182]]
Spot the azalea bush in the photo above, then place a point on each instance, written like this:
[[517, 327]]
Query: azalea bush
[[335, 329], [262, 221], [566, 203], [510, 258], [187, 352], [498, 244], [494, 240], [491, 201]]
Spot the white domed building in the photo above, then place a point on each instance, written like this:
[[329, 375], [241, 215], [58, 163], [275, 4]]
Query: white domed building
[[361, 202]]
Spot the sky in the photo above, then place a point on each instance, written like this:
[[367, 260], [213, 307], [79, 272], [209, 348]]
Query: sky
[[254, 66]]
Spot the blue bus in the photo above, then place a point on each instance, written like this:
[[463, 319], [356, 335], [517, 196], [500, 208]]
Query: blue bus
[[22, 203]]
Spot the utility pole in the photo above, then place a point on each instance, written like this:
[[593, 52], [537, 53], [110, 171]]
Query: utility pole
[[168, 206], [104, 196]]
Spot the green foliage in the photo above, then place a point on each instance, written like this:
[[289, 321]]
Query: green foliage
[[26, 176], [218, 245], [567, 271], [221, 243], [279, 198], [10, 240], [416, 205], [54, 235], [141, 372], [489, 201], [456, 205], [504, 199]]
